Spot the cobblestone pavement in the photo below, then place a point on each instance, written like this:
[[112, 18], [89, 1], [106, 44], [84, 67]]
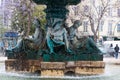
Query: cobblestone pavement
[[112, 60]]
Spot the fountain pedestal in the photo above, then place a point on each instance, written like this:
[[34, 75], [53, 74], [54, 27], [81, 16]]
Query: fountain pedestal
[[56, 68]]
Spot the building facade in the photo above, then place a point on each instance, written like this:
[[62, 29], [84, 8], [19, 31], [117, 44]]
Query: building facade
[[6, 10], [109, 25]]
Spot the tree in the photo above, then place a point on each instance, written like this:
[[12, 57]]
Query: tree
[[23, 16], [95, 14]]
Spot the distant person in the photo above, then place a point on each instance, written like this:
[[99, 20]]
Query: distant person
[[101, 41], [111, 45], [116, 51], [2, 47], [111, 50]]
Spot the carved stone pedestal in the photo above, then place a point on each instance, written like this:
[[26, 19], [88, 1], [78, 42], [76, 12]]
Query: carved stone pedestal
[[56, 68], [89, 67], [52, 68]]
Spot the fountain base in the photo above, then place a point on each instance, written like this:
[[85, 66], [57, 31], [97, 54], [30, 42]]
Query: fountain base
[[56, 68]]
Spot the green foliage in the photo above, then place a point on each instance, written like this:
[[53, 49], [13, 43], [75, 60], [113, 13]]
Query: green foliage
[[40, 14], [23, 16]]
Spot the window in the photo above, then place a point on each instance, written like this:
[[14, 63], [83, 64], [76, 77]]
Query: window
[[76, 9], [101, 26], [110, 11], [85, 25], [100, 9], [110, 28], [119, 12], [0, 3], [86, 8], [118, 28]]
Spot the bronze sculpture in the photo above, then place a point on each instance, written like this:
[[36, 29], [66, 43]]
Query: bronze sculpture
[[56, 43]]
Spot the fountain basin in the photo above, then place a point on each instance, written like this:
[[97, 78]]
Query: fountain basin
[[55, 68], [59, 2]]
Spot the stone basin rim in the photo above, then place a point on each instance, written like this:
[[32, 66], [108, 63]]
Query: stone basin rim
[[58, 2]]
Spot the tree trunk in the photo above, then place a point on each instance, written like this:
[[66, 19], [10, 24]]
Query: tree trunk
[[95, 37], [29, 24], [29, 19]]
